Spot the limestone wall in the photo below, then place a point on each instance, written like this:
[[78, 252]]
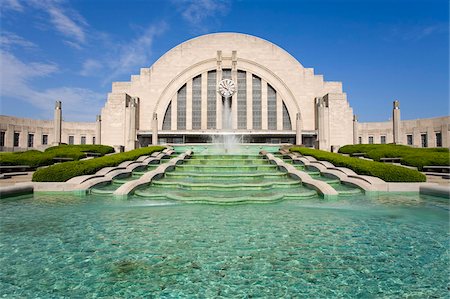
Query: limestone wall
[[416, 128], [38, 128]]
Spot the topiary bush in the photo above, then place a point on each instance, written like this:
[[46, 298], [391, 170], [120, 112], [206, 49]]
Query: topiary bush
[[31, 158], [65, 171], [386, 172], [417, 157], [34, 158]]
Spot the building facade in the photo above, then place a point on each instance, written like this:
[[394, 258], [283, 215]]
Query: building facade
[[177, 100], [276, 100]]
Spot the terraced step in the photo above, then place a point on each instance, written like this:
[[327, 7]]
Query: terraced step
[[225, 187], [202, 157], [225, 197], [226, 168], [234, 161]]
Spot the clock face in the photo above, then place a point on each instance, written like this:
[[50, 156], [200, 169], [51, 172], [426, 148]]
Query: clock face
[[227, 88]]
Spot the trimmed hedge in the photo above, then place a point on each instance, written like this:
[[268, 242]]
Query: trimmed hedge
[[34, 158], [384, 171], [411, 156], [65, 171], [31, 158]]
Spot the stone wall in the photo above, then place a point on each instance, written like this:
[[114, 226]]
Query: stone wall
[[25, 127]]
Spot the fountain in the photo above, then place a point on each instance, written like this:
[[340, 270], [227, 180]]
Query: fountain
[[226, 142]]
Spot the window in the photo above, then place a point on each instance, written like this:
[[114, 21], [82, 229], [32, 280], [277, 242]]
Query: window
[[181, 108], [409, 139], [83, 140], [44, 139], [167, 122], [211, 100], [256, 103], [424, 139], [226, 74], [93, 140], [71, 139], [370, 139], [286, 119], [242, 100], [360, 140], [197, 102], [30, 140], [2, 138], [16, 139], [271, 108], [438, 139], [383, 139]]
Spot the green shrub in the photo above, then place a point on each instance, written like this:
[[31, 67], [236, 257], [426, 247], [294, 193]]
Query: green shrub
[[386, 172], [85, 148], [65, 171], [34, 158], [417, 157], [31, 158]]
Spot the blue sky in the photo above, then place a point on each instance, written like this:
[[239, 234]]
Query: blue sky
[[72, 50]]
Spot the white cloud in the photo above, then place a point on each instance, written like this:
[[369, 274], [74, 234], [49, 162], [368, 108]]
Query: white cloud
[[133, 54], [417, 32], [12, 5], [67, 22], [16, 77], [10, 39], [90, 67], [195, 11]]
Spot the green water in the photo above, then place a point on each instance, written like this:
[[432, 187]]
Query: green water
[[392, 246]]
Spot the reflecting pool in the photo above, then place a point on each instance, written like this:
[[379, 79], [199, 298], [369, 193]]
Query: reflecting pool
[[55, 246]]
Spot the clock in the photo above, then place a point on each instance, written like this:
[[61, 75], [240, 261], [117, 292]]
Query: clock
[[227, 88]]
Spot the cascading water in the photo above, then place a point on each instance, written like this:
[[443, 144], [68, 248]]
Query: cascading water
[[230, 141]]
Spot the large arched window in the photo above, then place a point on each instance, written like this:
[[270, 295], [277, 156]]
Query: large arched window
[[250, 104]]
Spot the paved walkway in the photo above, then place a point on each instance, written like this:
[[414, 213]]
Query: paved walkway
[[17, 179]]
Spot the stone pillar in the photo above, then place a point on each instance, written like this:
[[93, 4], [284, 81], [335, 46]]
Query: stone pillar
[[322, 122], [355, 129], [218, 95], [396, 122], [131, 140], [155, 129], [57, 125], [264, 118], [189, 105], [298, 130], [249, 81], [204, 106], [98, 130]]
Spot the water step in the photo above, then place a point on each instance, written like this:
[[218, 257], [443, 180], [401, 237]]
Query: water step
[[225, 198], [226, 168], [227, 187], [227, 162]]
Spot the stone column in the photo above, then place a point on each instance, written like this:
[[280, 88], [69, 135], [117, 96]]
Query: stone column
[[204, 107], [98, 130], [322, 122], [57, 125], [131, 142], [264, 118], [355, 129], [279, 112], [396, 122], [174, 124], [249, 81], [298, 130], [155, 129], [218, 95], [189, 105]]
